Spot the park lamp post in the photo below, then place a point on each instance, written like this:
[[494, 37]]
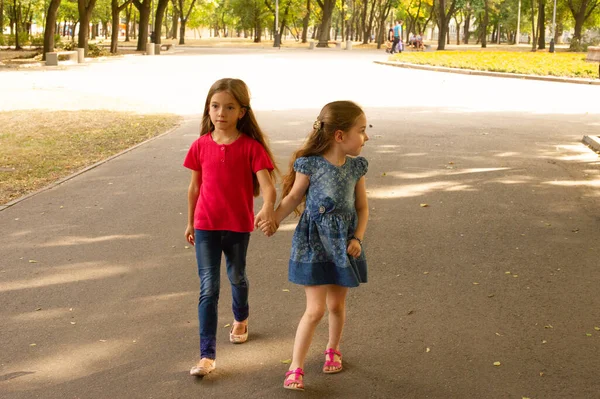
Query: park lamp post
[[553, 28], [277, 39]]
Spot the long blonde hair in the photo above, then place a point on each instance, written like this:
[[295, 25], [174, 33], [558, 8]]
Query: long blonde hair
[[337, 115], [246, 125]]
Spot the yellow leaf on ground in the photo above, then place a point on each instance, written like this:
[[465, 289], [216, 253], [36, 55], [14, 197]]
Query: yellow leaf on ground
[[286, 361], [597, 328], [427, 350], [497, 363], [424, 205], [588, 334], [548, 326], [32, 344], [285, 290], [227, 325], [32, 261], [475, 283]]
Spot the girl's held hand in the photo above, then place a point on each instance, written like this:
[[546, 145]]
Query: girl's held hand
[[189, 234], [354, 248], [268, 228]]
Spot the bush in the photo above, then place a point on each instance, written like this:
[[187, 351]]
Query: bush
[[37, 41], [97, 51], [67, 46], [2, 40]]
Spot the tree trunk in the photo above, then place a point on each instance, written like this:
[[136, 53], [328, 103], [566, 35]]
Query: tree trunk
[[457, 31], [533, 41], [2, 17], [49, 29], [580, 15], [542, 25], [443, 18], [467, 27], [486, 21], [16, 22], [305, 21], [115, 11], [127, 21], [158, 20], [85, 11], [144, 10], [327, 7], [175, 21]]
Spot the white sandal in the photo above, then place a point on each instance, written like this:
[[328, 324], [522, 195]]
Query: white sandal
[[238, 338], [202, 368]]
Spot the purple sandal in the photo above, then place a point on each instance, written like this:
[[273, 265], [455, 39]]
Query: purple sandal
[[332, 363], [287, 384]]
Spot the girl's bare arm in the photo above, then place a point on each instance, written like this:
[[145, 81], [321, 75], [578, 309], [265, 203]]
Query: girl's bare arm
[[362, 208], [193, 193], [293, 199]]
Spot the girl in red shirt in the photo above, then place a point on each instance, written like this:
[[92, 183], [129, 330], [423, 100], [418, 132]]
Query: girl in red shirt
[[231, 164]]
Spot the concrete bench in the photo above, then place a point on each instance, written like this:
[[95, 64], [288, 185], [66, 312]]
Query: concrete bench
[[593, 55], [75, 55]]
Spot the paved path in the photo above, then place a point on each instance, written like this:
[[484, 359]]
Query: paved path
[[99, 291]]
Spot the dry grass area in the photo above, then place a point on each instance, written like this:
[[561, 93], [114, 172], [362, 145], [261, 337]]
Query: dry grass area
[[40, 147]]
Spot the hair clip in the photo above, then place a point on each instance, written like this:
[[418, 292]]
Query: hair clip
[[317, 125]]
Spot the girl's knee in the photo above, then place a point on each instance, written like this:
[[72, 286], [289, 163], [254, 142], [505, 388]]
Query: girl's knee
[[314, 315], [337, 309]]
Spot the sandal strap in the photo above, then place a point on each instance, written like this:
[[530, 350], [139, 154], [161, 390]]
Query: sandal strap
[[332, 352], [296, 372]]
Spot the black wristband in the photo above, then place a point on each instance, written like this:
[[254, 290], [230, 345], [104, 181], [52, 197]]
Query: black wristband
[[357, 239]]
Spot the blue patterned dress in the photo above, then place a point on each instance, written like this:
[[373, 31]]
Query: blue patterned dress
[[329, 219]]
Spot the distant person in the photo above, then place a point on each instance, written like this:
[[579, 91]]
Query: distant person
[[390, 39], [231, 163], [327, 255], [419, 41], [396, 45]]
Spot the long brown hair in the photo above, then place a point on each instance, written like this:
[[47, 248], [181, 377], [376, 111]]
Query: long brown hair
[[337, 115], [246, 125]]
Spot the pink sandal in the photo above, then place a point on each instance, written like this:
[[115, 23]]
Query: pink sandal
[[332, 363], [287, 384]]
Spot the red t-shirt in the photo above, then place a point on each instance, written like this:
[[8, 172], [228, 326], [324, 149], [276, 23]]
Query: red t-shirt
[[226, 200]]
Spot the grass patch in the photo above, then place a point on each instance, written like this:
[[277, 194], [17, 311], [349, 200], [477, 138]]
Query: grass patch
[[40, 147], [564, 64]]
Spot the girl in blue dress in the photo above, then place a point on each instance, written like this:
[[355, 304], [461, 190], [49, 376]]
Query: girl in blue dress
[[327, 255]]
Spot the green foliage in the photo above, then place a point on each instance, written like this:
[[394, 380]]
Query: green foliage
[[97, 51], [37, 41]]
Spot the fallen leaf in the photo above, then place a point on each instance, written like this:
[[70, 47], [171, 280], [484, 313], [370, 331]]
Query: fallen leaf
[[544, 341], [498, 334], [541, 373], [450, 163], [515, 275], [597, 328], [425, 272], [497, 363], [73, 322], [427, 350], [186, 247], [588, 334], [383, 174], [32, 261], [491, 295], [32, 344], [507, 273], [285, 290], [61, 207], [286, 361], [227, 325], [411, 312], [475, 283], [102, 340], [36, 309], [424, 205], [548, 326]]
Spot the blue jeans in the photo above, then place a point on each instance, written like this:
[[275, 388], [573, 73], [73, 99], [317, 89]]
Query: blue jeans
[[209, 246]]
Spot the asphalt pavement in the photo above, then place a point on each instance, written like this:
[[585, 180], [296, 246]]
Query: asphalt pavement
[[482, 241]]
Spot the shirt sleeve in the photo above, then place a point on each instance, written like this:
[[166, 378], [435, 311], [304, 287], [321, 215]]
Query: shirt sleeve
[[361, 166], [260, 158], [304, 165], [192, 159]]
